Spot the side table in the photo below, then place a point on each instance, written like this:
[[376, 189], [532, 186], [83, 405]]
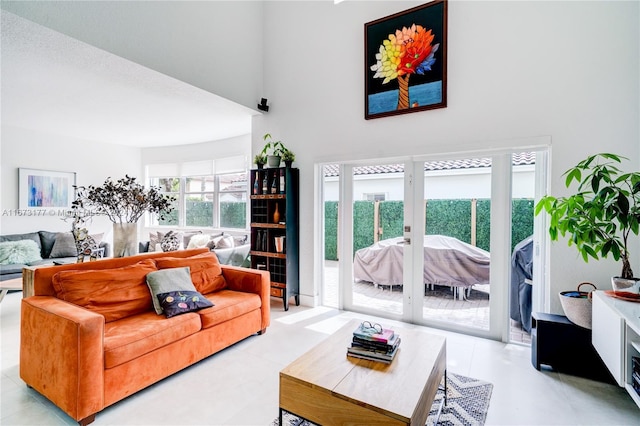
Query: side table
[[566, 347], [12, 284]]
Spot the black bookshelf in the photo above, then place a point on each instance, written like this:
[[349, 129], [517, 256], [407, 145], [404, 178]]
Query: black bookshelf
[[274, 214]]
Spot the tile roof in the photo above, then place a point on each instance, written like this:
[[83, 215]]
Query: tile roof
[[519, 159]]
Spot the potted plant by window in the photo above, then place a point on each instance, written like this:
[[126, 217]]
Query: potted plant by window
[[273, 150], [123, 202], [602, 216]]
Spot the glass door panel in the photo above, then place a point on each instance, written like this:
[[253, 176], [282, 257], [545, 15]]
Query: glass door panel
[[377, 236], [522, 218], [330, 291], [457, 259]]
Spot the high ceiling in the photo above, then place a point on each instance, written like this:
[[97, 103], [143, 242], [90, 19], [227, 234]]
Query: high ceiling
[[58, 85]]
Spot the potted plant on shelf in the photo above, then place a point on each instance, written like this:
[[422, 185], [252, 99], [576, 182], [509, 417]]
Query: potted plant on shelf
[[123, 202], [260, 160], [602, 216], [288, 157], [273, 150]]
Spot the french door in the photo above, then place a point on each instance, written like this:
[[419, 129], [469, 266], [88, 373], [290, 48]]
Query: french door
[[424, 240]]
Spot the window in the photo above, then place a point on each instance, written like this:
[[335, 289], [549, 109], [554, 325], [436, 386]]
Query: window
[[233, 200], [199, 200], [169, 186], [374, 196], [203, 199]]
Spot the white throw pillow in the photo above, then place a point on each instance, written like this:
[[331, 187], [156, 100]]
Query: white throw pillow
[[198, 241], [226, 241]]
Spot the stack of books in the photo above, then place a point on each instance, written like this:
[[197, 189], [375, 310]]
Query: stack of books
[[374, 343]]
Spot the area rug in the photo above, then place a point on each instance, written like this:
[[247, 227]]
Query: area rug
[[467, 404]]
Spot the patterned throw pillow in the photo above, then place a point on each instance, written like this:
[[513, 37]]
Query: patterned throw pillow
[[170, 242], [180, 302]]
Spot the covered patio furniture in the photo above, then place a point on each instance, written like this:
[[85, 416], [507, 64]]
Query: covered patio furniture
[[447, 262]]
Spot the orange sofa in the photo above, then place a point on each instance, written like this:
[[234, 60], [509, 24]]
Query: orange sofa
[[111, 343]]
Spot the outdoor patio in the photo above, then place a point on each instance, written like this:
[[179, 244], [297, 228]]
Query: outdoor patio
[[438, 304]]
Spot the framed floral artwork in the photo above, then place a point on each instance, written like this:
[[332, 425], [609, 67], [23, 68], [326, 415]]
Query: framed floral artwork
[[406, 61], [45, 189]]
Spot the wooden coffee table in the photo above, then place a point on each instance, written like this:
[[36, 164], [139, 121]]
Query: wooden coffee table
[[12, 284], [327, 387]]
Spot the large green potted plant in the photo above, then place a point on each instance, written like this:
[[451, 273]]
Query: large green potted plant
[[601, 216]]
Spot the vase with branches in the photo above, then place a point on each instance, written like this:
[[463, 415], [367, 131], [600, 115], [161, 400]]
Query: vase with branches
[[123, 201]]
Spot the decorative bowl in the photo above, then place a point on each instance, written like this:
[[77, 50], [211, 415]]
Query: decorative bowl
[[628, 287]]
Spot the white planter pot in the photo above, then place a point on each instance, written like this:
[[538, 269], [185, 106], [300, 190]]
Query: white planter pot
[[273, 161], [125, 239]]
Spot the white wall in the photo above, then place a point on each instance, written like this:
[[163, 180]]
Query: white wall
[[230, 147], [214, 45], [564, 71], [92, 162]]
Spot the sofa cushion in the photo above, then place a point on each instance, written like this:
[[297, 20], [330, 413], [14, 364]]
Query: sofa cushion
[[64, 246], [170, 242], [228, 304], [168, 280], [206, 273], [134, 336], [154, 240], [47, 240], [115, 293], [13, 268], [27, 236], [20, 252], [199, 241], [225, 241], [186, 238]]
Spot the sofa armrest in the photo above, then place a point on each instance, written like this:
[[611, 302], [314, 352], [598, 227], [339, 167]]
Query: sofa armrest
[[251, 281], [61, 354]]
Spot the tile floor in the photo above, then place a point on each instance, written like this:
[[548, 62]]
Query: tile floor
[[239, 386]]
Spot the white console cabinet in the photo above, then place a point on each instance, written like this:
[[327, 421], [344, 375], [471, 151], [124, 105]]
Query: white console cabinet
[[616, 337]]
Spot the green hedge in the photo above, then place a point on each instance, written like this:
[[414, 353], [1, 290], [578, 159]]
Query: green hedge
[[522, 220], [362, 224], [444, 217], [449, 217], [331, 230], [200, 213], [391, 219], [483, 224], [233, 215]]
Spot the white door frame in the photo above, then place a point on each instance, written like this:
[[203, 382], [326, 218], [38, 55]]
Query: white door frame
[[500, 242]]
